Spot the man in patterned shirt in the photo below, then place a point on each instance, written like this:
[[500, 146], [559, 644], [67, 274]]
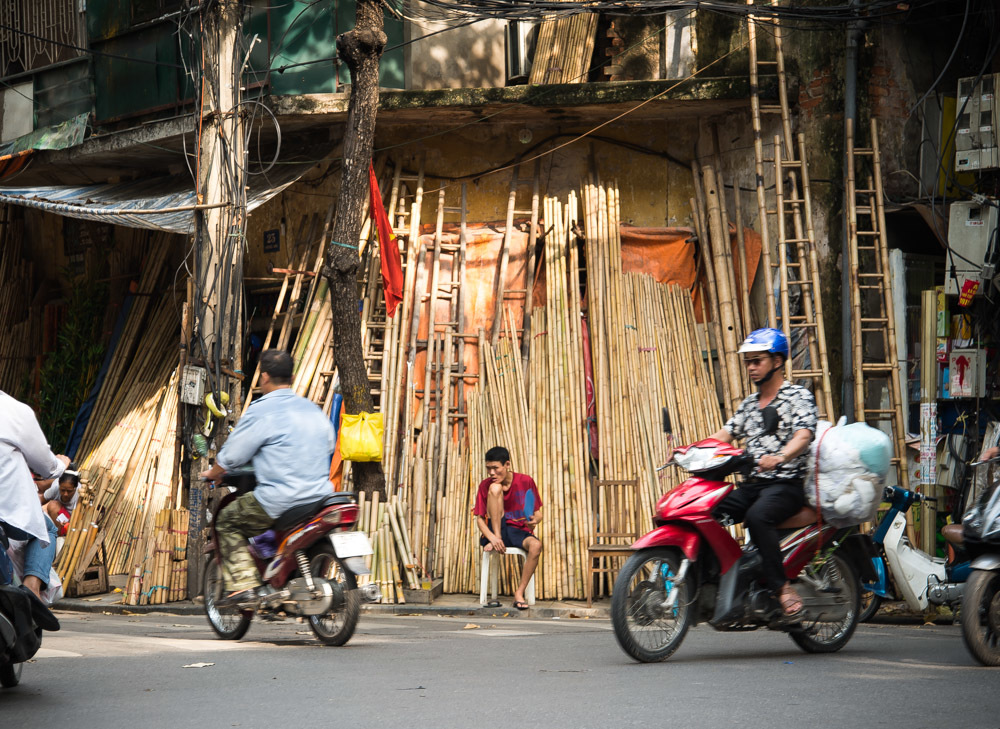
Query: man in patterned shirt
[[775, 491]]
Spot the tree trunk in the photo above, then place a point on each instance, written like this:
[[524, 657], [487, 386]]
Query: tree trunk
[[360, 49]]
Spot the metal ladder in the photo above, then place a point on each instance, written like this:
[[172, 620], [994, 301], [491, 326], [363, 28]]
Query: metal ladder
[[797, 264], [877, 389]]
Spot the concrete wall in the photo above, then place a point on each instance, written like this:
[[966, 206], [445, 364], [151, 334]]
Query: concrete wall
[[469, 56], [654, 191]]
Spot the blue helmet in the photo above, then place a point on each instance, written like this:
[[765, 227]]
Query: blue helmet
[[772, 341]]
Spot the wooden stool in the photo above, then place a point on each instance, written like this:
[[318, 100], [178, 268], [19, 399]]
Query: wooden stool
[[490, 572]]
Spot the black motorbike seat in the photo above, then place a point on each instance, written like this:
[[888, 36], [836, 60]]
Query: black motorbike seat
[[298, 514]]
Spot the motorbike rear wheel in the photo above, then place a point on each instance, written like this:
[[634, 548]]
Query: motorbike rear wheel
[[644, 628], [229, 623], [981, 616], [334, 627], [830, 636], [10, 674]]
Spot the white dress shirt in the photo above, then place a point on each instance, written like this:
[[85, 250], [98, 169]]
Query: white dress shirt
[[23, 449]]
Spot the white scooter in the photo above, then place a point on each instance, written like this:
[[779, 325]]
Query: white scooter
[[920, 579]]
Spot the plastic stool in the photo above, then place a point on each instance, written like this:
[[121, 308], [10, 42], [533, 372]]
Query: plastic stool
[[490, 572]]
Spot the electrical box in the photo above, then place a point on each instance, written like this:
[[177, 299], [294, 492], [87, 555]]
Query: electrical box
[[193, 385], [970, 229], [967, 373], [976, 125]]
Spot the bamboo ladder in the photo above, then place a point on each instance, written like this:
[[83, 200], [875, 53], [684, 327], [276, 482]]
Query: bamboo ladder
[[444, 367], [876, 366], [376, 333], [798, 264], [286, 311]]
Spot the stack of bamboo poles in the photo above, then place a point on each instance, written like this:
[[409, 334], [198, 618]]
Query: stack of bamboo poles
[[162, 576], [618, 453], [558, 412], [392, 563], [565, 47], [20, 343], [140, 348], [646, 353], [128, 458], [721, 295]]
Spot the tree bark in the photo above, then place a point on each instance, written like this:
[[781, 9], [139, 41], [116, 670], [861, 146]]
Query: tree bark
[[361, 49]]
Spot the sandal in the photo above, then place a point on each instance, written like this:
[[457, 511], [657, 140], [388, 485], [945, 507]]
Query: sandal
[[791, 603], [520, 605]]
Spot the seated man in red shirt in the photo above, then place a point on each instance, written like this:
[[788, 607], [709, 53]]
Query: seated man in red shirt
[[508, 508]]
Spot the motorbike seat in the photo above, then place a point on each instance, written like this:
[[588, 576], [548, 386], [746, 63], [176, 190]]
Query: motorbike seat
[[952, 534], [298, 514], [805, 517]]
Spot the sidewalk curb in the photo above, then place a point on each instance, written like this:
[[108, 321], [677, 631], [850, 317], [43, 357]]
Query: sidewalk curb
[[544, 611], [187, 607]]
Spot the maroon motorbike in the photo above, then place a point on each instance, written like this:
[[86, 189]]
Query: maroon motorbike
[[309, 563], [690, 569]]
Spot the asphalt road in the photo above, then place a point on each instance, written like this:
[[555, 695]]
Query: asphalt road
[[436, 672]]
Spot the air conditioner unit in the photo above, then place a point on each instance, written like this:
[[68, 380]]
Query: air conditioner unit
[[976, 124], [519, 38]]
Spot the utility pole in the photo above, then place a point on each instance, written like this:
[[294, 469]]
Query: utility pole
[[361, 49], [217, 302]]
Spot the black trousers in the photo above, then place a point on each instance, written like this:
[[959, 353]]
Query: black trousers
[[762, 505]]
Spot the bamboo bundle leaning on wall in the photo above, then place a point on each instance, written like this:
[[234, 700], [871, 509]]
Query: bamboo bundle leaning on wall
[[558, 410], [392, 563], [131, 468]]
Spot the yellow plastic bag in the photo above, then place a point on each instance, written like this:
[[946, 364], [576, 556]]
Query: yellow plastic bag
[[361, 437]]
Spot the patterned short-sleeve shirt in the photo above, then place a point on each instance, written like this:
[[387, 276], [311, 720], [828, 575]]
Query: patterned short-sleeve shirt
[[796, 408]]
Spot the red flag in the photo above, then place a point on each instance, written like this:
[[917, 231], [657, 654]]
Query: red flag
[[392, 268]]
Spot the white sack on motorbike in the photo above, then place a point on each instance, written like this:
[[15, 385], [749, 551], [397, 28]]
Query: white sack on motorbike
[[853, 463]]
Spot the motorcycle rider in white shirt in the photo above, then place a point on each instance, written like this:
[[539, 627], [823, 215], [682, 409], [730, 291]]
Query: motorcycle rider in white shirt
[[23, 449]]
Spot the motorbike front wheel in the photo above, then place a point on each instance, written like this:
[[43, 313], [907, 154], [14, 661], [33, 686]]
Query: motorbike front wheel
[[334, 627], [650, 612], [829, 636], [870, 603], [229, 623], [10, 674], [981, 616]]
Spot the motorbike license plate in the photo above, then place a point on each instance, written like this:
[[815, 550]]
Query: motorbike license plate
[[351, 544]]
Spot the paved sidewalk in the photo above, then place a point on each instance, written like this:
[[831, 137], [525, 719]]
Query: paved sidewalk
[[455, 605]]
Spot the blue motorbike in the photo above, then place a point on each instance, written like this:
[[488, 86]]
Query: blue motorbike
[[919, 579]]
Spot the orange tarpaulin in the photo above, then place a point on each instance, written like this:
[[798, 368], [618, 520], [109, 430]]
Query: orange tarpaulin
[[668, 255]]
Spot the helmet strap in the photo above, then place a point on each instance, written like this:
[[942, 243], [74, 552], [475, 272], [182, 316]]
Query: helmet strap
[[763, 380]]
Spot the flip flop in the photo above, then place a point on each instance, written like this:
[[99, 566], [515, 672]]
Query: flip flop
[[520, 605], [493, 604]]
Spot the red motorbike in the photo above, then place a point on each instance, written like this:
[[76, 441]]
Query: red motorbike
[[690, 569], [309, 562]]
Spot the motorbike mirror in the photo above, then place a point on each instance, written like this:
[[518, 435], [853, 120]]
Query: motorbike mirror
[[770, 417], [666, 422]]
